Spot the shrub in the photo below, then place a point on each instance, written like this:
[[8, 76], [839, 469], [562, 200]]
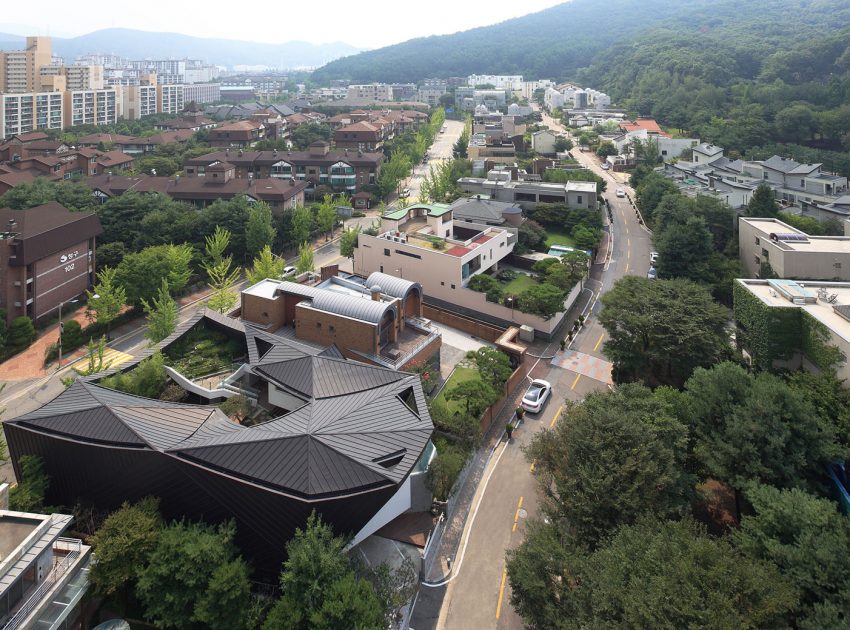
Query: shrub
[[445, 469], [21, 332], [72, 336], [506, 275]]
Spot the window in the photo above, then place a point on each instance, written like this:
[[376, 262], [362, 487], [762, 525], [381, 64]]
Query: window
[[330, 329], [765, 175], [765, 253], [404, 253], [318, 324], [386, 252], [453, 286], [580, 200], [758, 241], [442, 284]]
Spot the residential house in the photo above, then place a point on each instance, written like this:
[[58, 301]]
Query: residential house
[[360, 136], [543, 142], [500, 187], [242, 133], [486, 211]]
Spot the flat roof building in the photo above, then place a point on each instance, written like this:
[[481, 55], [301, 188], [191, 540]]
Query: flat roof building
[[47, 256], [499, 187], [791, 253]]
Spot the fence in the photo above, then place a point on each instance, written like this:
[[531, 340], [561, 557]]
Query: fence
[[487, 332]]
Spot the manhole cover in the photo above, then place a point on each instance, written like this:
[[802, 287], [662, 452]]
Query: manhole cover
[[522, 513]]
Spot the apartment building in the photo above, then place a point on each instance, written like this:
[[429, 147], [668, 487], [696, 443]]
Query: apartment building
[[202, 93], [22, 113], [498, 81], [139, 100], [371, 92], [76, 77], [170, 99], [431, 94], [20, 70], [90, 107], [360, 136], [790, 252]]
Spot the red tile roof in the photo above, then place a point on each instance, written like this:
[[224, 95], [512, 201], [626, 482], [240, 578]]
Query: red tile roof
[[483, 239], [458, 250], [648, 124]]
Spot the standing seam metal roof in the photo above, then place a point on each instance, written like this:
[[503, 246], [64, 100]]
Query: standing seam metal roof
[[391, 285]]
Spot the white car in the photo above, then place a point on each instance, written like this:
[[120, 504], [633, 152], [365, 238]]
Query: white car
[[652, 274], [287, 271], [653, 258], [404, 194], [621, 192], [537, 395]]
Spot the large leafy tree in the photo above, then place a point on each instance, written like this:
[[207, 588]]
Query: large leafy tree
[[195, 576], [475, 395], [123, 545], [219, 268], [543, 299], [72, 195], [318, 587], [756, 428], [763, 203], [611, 458], [808, 539], [305, 258], [326, 216], [302, 222], [141, 273], [161, 314], [259, 231], [685, 250], [348, 242], [266, 265], [493, 366], [652, 574], [661, 330]]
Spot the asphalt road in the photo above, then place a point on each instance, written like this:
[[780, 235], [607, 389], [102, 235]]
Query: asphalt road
[[479, 595], [440, 151]]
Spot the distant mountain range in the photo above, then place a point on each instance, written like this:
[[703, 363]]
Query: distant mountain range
[[225, 52]]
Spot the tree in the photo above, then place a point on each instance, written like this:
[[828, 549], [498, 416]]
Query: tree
[[756, 428], [661, 330], [316, 585], [532, 236], [237, 407], [302, 222], [194, 576], [796, 123], [259, 232], [392, 173], [653, 574], [685, 251], [326, 217], [348, 242], [107, 298], [585, 238], [95, 363], [21, 332], [543, 300], [493, 366], [563, 144], [606, 148], [28, 495], [807, 538], [141, 274], [445, 468], [147, 380], [179, 259], [475, 394], [123, 545], [763, 203], [305, 258], [266, 265], [161, 313], [611, 458], [218, 268]]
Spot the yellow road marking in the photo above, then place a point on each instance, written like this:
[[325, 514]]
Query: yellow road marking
[[516, 516], [114, 358], [501, 593], [602, 336], [627, 271], [573, 386], [558, 413]]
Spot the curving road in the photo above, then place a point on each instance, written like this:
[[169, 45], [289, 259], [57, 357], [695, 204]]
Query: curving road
[[478, 596]]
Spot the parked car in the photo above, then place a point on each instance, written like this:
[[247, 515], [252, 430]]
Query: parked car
[[621, 192], [652, 274], [605, 166], [653, 258], [404, 194], [287, 271], [536, 395]]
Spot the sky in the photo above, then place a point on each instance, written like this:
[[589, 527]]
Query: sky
[[365, 24]]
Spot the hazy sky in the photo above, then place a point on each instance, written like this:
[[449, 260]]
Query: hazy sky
[[366, 24]]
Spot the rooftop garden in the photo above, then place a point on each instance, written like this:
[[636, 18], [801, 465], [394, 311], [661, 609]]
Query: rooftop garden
[[202, 352]]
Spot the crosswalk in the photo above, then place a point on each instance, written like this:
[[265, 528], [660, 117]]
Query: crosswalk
[[113, 358]]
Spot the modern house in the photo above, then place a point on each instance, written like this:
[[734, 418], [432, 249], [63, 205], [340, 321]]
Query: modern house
[[499, 187], [47, 256], [792, 325], [347, 440], [479, 210], [43, 575], [791, 253]]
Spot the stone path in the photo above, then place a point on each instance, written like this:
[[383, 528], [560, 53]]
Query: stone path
[[584, 364]]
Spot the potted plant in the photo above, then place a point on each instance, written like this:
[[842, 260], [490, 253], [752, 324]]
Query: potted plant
[[564, 343], [520, 412], [509, 429]]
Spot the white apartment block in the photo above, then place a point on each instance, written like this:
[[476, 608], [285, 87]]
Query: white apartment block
[[202, 93], [431, 95], [22, 113], [553, 99], [91, 107], [371, 92], [171, 99], [139, 100], [499, 81]]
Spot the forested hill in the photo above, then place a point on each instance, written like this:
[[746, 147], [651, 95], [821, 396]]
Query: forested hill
[[779, 72], [549, 44]]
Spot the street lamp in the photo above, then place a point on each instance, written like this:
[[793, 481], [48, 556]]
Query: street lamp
[[62, 328], [511, 302]]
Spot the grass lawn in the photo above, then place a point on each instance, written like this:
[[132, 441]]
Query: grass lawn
[[459, 375], [519, 284], [556, 237]]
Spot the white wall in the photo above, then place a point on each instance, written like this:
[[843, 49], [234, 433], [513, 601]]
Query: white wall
[[398, 504]]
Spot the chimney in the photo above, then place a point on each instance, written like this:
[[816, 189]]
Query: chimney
[[376, 292]]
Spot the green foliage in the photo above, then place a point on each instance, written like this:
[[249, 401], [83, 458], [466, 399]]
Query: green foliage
[[606, 148], [493, 366], [21, 332], [652, 189], [202, 351], [161, 315], [74, 196], [659, 331], [392, 173], [95, 363], [141, 274], [763, 203], [259, 232], [652, 574], [148, 379], [179, 259], [458, 424], [123, 545], [828, 396], [484, 283], [814, 337], [237, 407], [28, 495], [807, 538], [348, 242], [475, 395], [305, 258], [531, 236], [544, 300], [326, 216], [611, 458], [768, 334], [305, 135], [194, 576], [72, 336], [302, 222], [685, 250], [108, 296], [749, 427], [809, 225], [445, 469], [218, 268], [266, 265], [441, 182], [318, 586]]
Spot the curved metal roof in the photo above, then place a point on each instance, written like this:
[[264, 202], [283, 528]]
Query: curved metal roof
[[392, 286], [364, 309]]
